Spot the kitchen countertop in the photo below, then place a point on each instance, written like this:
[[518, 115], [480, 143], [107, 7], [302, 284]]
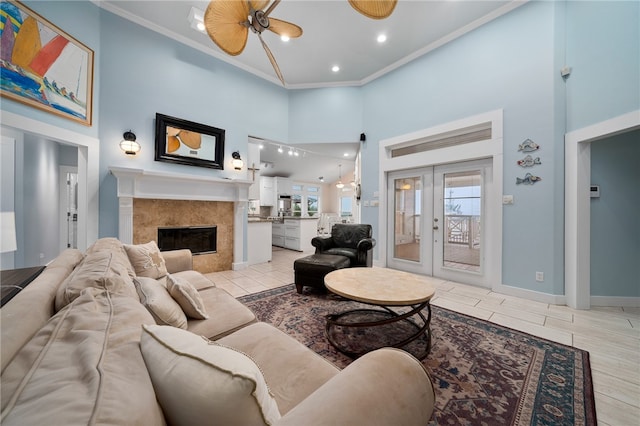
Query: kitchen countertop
[[259, 219], [278, 219]]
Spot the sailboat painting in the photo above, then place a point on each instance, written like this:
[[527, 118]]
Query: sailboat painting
[[43, 66]]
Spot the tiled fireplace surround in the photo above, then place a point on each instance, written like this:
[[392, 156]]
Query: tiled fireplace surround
[[148, 200]]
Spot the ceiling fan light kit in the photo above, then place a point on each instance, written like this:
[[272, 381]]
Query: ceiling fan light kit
[[228, 22]]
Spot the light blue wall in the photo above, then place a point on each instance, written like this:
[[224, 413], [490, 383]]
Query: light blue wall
[[510, 65], [145, 73], [325, 115], [603, 49], [615, 229]]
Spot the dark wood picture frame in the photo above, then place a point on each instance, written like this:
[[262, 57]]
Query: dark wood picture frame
[[181, 141]]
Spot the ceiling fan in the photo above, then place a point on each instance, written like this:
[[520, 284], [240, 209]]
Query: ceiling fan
[[228, 22]]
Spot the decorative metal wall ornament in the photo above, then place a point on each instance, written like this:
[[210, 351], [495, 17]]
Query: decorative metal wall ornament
[[528, 179], [529, 161], [528, 146]]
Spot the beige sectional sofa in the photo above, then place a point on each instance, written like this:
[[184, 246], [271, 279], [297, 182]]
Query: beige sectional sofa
[[87, 342]]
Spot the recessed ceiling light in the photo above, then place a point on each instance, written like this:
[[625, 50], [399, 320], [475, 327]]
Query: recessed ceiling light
[[335, 68], [284, 38], [381, 38], [346, 154]]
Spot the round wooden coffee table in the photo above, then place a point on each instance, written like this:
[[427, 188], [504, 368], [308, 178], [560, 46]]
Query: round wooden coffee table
[[409, 294]]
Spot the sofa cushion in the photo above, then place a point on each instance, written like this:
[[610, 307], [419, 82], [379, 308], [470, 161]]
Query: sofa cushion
[[187, 297], [146, 260], [226, 315], [114, 246], [199, 281], [84, 366], [90, 272], [38, 300], [292, 370], [200, 382], [156, 298]]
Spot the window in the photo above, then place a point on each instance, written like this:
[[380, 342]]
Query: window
[[296, 204], [346, 206], [312, 205]]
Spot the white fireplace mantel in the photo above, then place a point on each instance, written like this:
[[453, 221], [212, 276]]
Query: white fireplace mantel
[[138, 183]]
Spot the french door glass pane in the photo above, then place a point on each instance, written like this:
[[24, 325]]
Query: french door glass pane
[[462, 213], [408, 202]]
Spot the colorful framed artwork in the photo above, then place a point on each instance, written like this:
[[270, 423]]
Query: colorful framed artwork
[[43, 66], [186, 142]]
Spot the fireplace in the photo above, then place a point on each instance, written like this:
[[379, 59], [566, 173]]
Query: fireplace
[[198, 239], [148, 200]]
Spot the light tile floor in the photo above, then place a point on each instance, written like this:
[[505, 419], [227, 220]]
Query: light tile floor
[[610, 334]]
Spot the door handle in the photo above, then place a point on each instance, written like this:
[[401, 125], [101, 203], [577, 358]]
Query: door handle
[[436, 227]]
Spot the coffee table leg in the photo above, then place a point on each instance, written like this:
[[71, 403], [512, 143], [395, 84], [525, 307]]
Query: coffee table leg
[[333, 320]]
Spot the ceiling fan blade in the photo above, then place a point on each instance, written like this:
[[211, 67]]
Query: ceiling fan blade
[[374, 9], [284, 28], [225, 24], [258, 4], [272, 59]]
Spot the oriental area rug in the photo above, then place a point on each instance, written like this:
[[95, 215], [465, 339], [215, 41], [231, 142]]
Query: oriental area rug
[[483, 373]]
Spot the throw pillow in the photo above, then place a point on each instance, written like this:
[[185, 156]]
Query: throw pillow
[[187, 297], [200, 382], [155, 297], [146, 260]]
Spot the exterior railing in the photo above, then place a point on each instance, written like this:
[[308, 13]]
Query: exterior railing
[[463, 229]]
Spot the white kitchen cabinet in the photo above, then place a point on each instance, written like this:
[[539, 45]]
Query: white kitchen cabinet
[[283, 186], [254, 189], [267, 191], [277, 234]]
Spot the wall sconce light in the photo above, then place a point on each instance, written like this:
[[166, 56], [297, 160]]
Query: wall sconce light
[[129, 144], [237, 161]]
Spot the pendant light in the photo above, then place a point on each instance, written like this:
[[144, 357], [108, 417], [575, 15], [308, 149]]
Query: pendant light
[[340, 185]]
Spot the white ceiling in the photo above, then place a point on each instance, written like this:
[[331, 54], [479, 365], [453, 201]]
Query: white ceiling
[[334, 34]]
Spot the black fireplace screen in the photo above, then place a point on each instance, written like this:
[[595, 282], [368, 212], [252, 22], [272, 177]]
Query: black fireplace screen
[[198, 239]]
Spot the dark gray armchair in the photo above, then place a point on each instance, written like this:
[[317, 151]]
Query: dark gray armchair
[[351, 240]]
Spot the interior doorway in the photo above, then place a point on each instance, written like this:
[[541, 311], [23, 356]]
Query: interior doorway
[[436, 218]]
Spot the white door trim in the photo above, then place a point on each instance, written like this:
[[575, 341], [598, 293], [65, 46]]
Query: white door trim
[[577, 208], [88, 169], [484, 149]]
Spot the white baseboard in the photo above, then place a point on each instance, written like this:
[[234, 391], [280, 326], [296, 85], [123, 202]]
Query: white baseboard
[[536, 296], [629, 302], [239, 266]]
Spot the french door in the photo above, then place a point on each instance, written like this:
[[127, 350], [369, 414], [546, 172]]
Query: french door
[[436, 216]]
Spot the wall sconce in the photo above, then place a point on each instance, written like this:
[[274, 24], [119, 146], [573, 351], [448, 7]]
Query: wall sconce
[[129, 144], [237, 161]]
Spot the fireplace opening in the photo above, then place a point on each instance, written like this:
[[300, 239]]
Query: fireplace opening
[[198, 239]]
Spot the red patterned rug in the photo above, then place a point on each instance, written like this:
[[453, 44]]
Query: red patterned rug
[[483, 373]]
